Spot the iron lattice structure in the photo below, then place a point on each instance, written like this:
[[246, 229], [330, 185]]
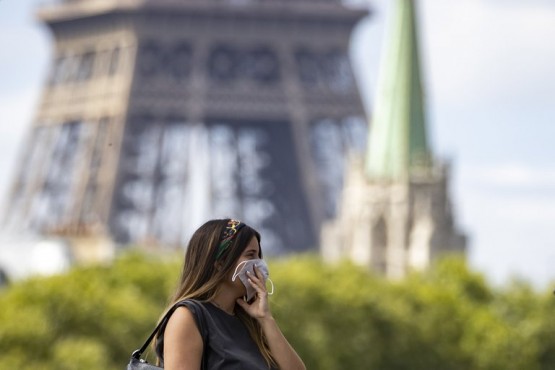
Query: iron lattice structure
[[160, 114]]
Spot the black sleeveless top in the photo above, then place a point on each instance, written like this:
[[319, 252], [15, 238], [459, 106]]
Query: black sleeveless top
[[227, 342]]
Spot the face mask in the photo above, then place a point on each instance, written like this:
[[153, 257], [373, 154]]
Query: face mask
[[241, 272]]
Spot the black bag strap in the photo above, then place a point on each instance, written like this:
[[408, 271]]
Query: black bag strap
[[138, 353]]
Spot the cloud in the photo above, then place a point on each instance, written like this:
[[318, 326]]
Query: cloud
[[509, 212], [475, 54], [515, 193], [516, 176], [482, 53]]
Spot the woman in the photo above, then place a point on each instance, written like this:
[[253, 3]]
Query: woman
[[216, 326]]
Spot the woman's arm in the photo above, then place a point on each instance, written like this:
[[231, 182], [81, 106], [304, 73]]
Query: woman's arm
[[283, 353], [182, 342]]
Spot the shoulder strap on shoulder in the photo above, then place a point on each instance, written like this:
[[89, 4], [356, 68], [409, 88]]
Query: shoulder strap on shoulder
[[202, 322], [137, 353]]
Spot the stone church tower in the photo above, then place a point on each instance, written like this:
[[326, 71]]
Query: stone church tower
[[395, 213], [160, 114]]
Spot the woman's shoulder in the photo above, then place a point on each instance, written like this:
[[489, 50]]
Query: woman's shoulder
[[182, 339], [193, 311], [195, 306], [186, 312], [181, 317]]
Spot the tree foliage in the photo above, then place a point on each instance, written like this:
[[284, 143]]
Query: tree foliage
[[337, 317]]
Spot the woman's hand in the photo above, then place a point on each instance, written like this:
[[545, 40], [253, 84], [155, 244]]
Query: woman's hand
[[281, 350], [259, 308]]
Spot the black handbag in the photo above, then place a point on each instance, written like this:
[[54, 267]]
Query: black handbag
[[137, 363]]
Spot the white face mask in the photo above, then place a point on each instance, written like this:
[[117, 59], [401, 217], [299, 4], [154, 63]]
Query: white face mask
[[241, 272]]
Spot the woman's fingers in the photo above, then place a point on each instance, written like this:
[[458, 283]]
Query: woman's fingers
[[259, 308], [258, 284], [256, 276], [255, 280], [258, 273]]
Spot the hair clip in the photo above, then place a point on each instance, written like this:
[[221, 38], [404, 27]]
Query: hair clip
[[233, 226]]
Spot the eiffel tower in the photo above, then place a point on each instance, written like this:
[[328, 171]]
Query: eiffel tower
[[160, 114]]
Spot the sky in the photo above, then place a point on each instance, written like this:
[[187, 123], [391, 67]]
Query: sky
[[489, 79]]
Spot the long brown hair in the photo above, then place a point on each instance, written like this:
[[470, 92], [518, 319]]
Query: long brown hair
[[200, 277]]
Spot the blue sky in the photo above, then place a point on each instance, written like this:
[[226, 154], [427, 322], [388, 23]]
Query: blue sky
[[490, 87]]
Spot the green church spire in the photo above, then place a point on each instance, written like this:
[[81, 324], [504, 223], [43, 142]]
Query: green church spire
[[398, 145]]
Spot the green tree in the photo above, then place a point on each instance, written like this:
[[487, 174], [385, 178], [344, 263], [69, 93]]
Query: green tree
[[337, 317], [89, 318]]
